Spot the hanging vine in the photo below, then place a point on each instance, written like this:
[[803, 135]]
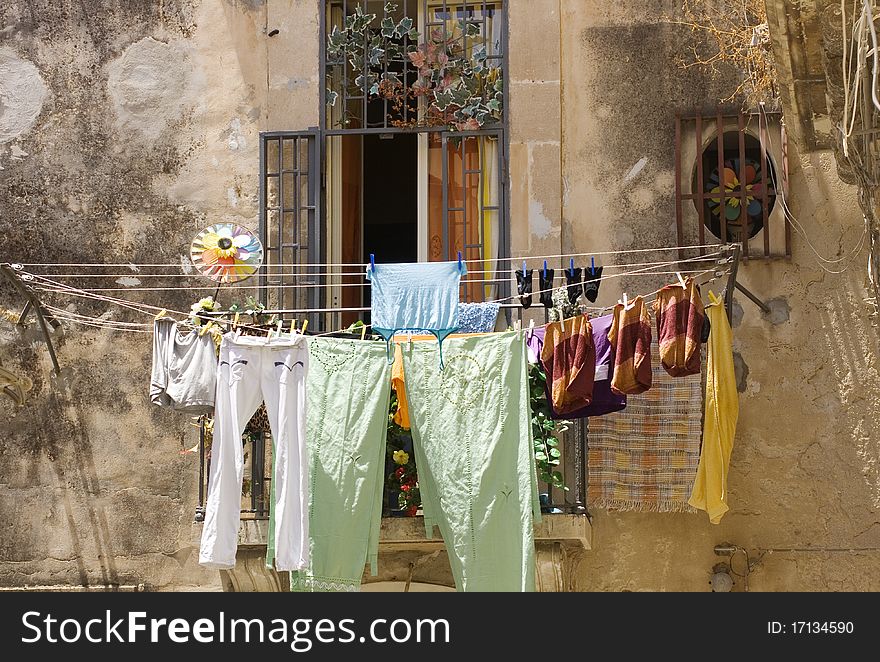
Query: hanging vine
[[457, 89]]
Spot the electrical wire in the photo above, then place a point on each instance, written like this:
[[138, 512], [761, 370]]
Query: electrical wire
[[789, 215]]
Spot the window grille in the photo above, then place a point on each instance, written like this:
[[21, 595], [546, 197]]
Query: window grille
[[731, 182]]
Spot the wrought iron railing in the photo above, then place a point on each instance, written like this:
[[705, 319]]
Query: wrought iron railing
[[257, 482]]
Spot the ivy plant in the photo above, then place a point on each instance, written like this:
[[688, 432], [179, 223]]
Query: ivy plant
[[545, 431], [461, 90]]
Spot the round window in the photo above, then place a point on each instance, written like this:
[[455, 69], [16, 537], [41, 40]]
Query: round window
[[737, 193]]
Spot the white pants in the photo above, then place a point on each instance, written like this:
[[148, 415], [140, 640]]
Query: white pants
[[252, 370]]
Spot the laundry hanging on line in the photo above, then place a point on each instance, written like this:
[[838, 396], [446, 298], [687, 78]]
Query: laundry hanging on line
[[473, 443], [253, 370], [415, 297]]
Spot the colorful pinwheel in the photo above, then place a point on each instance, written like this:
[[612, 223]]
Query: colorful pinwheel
[[226, 253], [754, 188]]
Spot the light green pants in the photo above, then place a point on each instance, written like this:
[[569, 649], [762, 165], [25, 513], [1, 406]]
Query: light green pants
[[472, 436], [348, 390]]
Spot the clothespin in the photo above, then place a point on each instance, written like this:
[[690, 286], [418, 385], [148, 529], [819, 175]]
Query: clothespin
[[235, 320], [531, 325], [278, 328], [545, 269], [524, 267], [305, 326], [680, 279], [363, 331], [571, 265], [625, 301], [205, 328], [517, 325], [592, 265], [459, 261], [373, 262], [162, 313]]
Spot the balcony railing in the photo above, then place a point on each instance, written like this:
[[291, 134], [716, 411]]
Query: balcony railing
[[257, 482]]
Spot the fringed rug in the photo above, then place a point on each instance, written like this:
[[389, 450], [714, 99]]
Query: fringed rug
[[645, 457]]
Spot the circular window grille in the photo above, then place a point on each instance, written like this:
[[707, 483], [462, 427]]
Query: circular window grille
[[723, 192]]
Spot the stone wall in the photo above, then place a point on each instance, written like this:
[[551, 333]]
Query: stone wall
[[803, 473], [127, 126]]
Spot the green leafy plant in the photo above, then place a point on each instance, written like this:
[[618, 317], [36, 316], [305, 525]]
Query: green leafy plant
[[460, 89], [404, 479], [545, 431]]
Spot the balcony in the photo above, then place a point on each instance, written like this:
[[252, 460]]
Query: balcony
[[406, 556]]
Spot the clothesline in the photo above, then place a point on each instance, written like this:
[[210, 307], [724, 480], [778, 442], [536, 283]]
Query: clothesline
[[146, 308], [364, 265], [305, 271], [647, 271], [60, 287], [294, 286]]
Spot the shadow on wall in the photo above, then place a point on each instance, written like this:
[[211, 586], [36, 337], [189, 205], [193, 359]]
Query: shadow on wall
[[852, 341]]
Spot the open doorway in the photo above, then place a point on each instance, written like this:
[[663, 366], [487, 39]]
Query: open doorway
[[390, 197], [379, 207]]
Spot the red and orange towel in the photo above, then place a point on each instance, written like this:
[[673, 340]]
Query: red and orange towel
[[680, 314], [569, 361], [630, 338]]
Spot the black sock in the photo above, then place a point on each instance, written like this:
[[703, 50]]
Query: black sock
[[546, 281], [524, 283], [573, 281], [592, 279]]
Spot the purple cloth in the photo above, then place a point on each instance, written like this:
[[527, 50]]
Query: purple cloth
[[535, 343], [605, 400]]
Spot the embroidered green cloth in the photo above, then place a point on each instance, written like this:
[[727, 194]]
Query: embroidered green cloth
[[473, 443], [348, 390]]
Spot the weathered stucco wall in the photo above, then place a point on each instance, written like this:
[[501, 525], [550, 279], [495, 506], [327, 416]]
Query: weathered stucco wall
[[124, 128], [803, 472]]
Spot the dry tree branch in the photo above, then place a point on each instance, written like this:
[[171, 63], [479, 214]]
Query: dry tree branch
[[731, 33]]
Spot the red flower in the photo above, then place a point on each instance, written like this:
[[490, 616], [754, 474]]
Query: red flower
[[405, 488], [399, 473]]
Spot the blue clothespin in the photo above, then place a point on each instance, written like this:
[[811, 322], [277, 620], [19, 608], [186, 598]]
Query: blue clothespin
[[524, 267], [459, 259], [592, 265], [571, 266], [545, 269], [373, 262]]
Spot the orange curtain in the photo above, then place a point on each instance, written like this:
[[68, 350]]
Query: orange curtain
[[465, 210]]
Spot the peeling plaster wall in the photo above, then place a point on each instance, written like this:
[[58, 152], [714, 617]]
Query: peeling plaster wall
[[124, 131], [804, 471], [125, 127]]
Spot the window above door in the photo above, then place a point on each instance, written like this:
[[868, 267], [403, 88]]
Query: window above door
[[413, 65]]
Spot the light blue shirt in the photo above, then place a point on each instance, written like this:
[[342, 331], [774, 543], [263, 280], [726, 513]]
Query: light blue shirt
[[415, 297]]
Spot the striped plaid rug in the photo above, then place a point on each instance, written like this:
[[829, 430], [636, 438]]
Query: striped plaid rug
[[645, 457]]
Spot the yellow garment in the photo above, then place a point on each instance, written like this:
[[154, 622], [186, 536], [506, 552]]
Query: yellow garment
[[401, 416], [719, 425]]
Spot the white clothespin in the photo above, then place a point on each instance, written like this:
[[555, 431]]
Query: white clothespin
[[531, 325], [681, 280], [517, 325], [278, 328]]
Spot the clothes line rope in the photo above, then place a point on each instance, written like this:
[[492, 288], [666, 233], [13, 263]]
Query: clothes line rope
[[313, 286], [364, 265]]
